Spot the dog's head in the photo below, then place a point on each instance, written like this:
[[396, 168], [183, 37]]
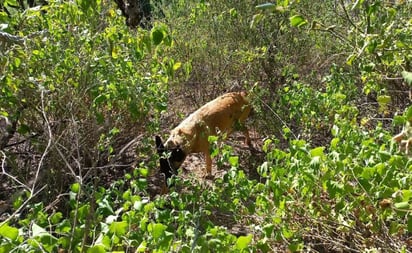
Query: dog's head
[[170, 158]]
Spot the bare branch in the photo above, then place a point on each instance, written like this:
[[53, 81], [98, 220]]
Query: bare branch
[[8, 38], [4, 172], [49, 142], [342, 4]]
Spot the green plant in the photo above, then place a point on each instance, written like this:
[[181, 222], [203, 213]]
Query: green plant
[[81, 99]]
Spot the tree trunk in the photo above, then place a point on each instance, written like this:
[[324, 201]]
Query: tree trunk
[[137, 12]]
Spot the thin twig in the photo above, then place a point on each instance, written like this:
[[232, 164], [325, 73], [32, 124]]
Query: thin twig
[[348, 16], [49, 142], [3, 171]]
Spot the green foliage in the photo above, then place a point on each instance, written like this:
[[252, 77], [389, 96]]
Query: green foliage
[[83, 76], [375, 34], [329, 176]]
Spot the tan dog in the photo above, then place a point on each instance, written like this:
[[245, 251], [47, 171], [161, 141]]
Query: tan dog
[[404, 138], [221, 115]]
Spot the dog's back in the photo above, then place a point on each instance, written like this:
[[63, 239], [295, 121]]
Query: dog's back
[[222, 114]]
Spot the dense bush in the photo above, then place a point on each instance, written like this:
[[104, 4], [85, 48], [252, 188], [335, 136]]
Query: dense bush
[[79, 88], [82, 95]]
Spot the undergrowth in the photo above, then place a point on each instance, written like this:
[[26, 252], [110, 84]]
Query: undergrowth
[[82, 96]]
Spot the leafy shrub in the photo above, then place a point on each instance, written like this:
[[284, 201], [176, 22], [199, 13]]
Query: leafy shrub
[[330, 180], [80, 87]]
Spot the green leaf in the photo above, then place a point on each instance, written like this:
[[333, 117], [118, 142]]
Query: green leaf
[[6, 248], [212, 138], [295, 247], [37, 230], [56, 217], [157, 36], [243, 241], [410, 223], [9, 232], [406, 195], [268, 229], [47, 240], [407, 76], [334, 188], [383, 100], [350, 59], [142, 247], [177, 66], [119, 228], [368, 173], [234, 161], [156, 229], [402, 205], [266, 6], [96, 249], [75, 187], [334, 142], [317, 151], [297, 21], [287, 233], [256, 19], [398, 120], [24, 129], [83, 212], [408, 113]]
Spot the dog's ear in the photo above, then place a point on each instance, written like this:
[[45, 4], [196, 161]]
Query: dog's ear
[[159, 144], [165, 167]]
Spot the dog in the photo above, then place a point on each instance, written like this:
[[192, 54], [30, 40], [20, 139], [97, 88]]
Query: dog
[[404, 138], [222, 115]]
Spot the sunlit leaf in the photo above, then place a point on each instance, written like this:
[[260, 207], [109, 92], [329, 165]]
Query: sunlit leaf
[[398, 120], [9, 232], [334, 142], [351, 58], [142, 247], [156, 229], [368, 172], [408, 113], [243, 241], [56, 217], [75, 187], [287, 233], [266, 6], [407, 76], [297, 21], [48, 241], [96, 249], [234, 161], [317, 151], [119, 228], [177, 66], [384, 100], [212, 138], [403, 205]]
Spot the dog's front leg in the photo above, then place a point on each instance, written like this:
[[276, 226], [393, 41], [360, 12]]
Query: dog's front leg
[[208, 164], [247, 138]]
